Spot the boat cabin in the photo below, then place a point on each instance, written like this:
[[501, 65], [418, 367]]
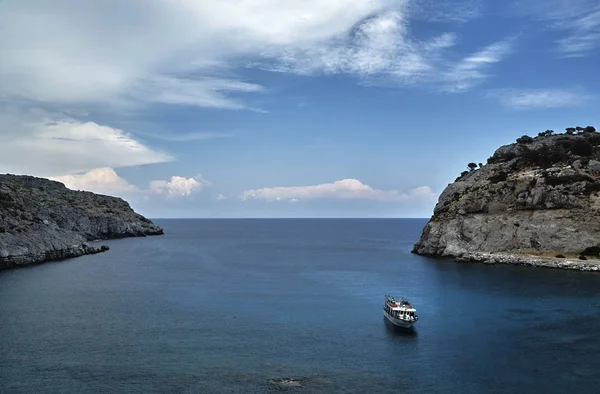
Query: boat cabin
[[400, 309]]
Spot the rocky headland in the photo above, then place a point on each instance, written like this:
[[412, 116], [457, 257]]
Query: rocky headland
[[42, 220], [535, 202]]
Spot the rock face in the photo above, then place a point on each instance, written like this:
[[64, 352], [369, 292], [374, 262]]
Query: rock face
[[42, 220], [539, 196]]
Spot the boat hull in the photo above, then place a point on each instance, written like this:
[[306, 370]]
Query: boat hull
[[399, 322]]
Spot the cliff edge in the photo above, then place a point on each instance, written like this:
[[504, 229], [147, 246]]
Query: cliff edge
[[42, 220], [537, 197]]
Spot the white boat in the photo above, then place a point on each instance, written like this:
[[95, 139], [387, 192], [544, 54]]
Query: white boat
[[400, 312]]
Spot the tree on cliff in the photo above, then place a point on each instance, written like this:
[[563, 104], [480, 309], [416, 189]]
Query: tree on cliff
[[472, 166], [581, 147], [525, 140], [570, 130], [589, 129]]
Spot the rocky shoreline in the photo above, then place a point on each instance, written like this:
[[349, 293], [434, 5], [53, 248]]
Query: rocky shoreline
[[42, 220], [15, 260], [533, 200], [530, 261]]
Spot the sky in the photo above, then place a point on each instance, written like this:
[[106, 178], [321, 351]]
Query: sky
[[296, 108]]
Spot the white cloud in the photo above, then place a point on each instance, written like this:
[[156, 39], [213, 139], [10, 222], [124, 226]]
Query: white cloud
[[221, 197], [179, 186], [455, 11], [98, 180], [202, 92], [188, 137], [107, 181], [72, 58], [381, 47], [67, 52], [579, 19], [342, 189], [44, 144], [540, 98], [470, 71]]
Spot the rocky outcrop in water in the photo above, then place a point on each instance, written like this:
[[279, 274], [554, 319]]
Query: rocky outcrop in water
[[539, 196], [42, 220]]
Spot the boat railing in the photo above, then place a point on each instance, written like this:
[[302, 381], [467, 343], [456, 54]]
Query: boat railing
[[398, 302]]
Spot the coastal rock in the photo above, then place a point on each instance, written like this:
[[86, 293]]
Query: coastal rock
[[538, 197], [529, 261], [287, 383], [42, 220]]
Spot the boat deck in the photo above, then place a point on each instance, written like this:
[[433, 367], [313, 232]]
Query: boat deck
[[399, 304]]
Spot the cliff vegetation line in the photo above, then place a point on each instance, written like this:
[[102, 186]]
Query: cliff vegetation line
[[538, 196]]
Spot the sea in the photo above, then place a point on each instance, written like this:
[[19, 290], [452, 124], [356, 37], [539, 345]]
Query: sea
[[230, 306]]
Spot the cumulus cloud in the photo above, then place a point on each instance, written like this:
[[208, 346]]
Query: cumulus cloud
[[178, 186], [98, 180], [342, 189], [540, 98], [107, 181]]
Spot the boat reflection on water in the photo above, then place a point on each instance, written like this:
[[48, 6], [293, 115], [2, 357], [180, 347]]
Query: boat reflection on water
[[394, 331]]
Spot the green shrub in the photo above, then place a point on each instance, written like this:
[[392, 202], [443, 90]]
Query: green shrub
[[544, 156], [525, 140], [501, 158], [581, 147]]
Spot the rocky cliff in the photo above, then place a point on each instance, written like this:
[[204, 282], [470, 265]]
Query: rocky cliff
[[539, 196], [42, 220]]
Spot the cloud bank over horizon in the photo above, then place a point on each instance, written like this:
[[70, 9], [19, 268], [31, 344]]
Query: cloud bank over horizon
[[342, 189], [107, 181]]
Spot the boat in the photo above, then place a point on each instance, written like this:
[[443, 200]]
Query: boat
[[400, 312]]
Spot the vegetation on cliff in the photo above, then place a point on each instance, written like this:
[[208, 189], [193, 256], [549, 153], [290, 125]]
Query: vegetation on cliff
[[539, 195]]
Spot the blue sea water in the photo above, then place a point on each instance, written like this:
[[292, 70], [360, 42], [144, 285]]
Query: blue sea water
[[221, 306]]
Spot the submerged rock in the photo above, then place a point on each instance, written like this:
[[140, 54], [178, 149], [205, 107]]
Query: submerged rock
[[537, 197], [42, 220], [287, 383]]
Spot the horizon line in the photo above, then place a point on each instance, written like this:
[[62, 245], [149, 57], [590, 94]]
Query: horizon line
[[288, 218]]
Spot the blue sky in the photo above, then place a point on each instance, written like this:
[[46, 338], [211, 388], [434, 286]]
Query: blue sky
[[298, 108]]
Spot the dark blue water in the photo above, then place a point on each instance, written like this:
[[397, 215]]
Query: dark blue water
[[220, 306]]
